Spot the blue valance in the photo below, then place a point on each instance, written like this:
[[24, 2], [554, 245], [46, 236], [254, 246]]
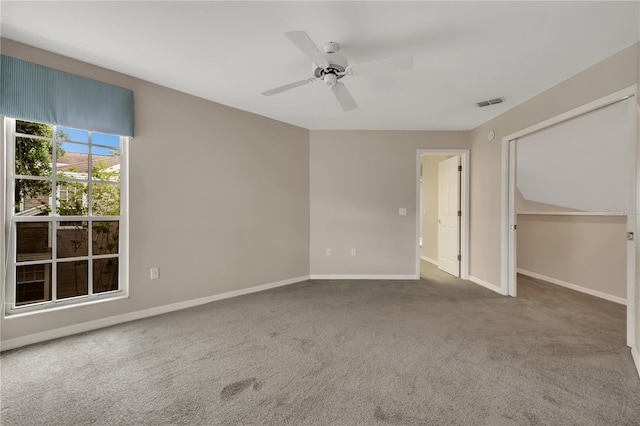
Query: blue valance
[[36, 93]]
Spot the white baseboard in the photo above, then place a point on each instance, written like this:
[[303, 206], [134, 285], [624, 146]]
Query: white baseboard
[[430, 260], [636, 358], [486, 284], [575, 287], [364, 277], [132, 316]]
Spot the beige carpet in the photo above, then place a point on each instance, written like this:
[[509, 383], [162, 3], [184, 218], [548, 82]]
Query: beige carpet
[[439, 351]]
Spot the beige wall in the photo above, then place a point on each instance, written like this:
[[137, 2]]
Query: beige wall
[[359, 180], [588, 251], [614, 73], [429, 190], [293, 193], [219, 199]]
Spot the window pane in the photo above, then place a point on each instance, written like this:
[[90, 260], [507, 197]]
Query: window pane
[[112, 141], [105, 275], [32, 197], [72, 239], [72, 279], [106, 165], [105, 237], [70, 134], [106, 199], [33, 241], [33, 284], [71, 199], [72, 161], [36, 129], [33, 157]]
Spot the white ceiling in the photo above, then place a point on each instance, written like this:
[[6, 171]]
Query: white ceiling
[[229, 52]]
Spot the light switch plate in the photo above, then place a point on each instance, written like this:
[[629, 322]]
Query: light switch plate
[[155, 273], [402, 211]]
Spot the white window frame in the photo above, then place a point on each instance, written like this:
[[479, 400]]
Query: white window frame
[[9, 244]]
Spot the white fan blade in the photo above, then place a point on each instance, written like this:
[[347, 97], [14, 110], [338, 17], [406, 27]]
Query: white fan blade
[[382, 66], [308, 47], [344, 97], [288, 87]]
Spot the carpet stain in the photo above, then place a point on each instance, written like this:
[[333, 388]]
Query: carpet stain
[[305, 344], [274, 334], [533, 419], [232, 390], [380, 415]]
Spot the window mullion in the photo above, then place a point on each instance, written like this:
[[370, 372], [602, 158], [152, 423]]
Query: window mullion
[[71, 180], [40, 138], [90, 213], [54, 173], [90, 253], [54, 210]]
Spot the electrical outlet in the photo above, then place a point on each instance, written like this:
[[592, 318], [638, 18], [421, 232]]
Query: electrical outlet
[[353, 252], [328, 252], [155, 273]]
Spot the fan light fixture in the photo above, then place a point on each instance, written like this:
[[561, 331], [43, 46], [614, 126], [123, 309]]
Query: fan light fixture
[[329, 66]]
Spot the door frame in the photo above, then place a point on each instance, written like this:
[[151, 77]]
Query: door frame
[[508, 213], [464, 206]]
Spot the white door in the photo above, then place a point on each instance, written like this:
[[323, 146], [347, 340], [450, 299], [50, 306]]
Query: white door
[[449, 215]]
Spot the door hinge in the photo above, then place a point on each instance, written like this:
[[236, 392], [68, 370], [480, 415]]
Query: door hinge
[[459, 212], [459, 168], [459, 257], [629, 236]]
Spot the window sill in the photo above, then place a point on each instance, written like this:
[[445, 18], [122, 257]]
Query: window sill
[[32, 310]]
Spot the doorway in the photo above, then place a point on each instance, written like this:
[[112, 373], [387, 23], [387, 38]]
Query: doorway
[[525, 188], [442, 200]]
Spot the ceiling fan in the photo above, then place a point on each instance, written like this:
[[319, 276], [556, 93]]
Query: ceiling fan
[[329, 66]]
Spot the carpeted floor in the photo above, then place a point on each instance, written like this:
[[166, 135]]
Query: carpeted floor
[[439, 351]]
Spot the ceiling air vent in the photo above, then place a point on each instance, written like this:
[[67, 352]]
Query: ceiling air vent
[[490, 102]]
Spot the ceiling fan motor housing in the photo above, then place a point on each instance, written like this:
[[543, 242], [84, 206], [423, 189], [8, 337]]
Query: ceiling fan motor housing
[[337, 66]]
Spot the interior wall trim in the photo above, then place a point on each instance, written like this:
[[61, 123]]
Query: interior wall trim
[[430, 260], [486, 284], [636, 358], [607, 214], [132, 316], [575, 287], [364, 277]]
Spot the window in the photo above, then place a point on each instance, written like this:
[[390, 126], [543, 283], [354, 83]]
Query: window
[[65, 204]]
